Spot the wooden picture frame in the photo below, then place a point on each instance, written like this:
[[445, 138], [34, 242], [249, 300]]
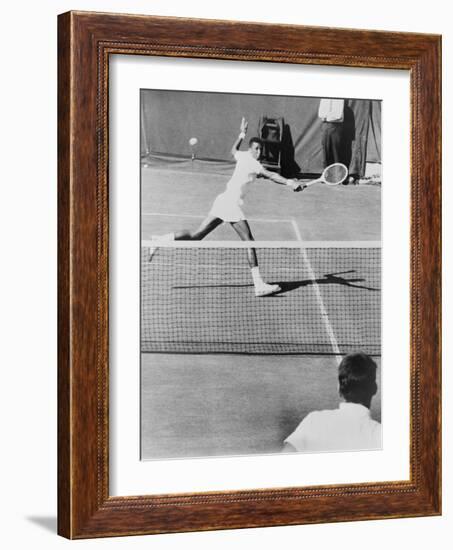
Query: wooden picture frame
[[85, 41]]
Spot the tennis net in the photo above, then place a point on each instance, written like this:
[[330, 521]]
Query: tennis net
[[200, 299]]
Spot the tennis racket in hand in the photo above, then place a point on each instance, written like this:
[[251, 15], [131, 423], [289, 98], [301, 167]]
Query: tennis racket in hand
[[332, 175]]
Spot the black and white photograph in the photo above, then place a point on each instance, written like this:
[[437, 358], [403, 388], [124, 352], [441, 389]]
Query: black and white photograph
[[260, 274]]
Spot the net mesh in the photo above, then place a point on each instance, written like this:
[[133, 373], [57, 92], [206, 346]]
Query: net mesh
[[335, 173], [201, 300]]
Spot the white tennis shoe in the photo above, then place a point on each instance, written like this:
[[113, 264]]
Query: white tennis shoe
[[266, 290], [159, 239]]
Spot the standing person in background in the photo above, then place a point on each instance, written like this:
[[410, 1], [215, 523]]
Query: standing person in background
[[331, 112]]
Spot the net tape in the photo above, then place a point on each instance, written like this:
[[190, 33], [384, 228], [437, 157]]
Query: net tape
[[201, 300]]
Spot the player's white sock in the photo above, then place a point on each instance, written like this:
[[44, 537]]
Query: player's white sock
[[262, 288], [256, 276], [159, 239]]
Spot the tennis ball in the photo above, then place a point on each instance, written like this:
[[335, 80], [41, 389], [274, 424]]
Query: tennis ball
[[193, 141]]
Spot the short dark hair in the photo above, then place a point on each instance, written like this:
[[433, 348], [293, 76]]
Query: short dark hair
[[255, 140], [357, 378]]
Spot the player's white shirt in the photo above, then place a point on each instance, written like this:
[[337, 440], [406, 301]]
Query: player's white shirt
[[348, 428], [247, 168]]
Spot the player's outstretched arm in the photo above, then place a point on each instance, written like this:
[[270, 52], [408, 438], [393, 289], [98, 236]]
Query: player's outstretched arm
[[241, 136], [294, 184]]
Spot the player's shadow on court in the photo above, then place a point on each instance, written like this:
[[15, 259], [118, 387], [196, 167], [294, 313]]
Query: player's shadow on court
[[289, 286], [328, 279]]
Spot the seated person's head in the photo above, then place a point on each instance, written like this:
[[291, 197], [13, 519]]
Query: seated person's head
[[357, 378]]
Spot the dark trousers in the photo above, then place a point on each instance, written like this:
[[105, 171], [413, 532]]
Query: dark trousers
[[332, 133]]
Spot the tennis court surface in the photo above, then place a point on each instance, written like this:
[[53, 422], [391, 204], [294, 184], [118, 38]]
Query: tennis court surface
[[226, 373], [173, 199], [224, 405], [222, 372]]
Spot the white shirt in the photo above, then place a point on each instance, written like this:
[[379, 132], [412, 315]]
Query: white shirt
[[331, 110], [245, 172], [349, 427]]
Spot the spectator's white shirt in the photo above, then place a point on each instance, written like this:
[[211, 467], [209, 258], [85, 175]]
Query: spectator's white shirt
[[245, 172], [348, 428], [331, 110]]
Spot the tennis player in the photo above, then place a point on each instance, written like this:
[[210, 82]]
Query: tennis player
[[227, 205]]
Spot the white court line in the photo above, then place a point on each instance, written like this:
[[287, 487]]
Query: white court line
[[324, 316], [188, 170], [201, 217]]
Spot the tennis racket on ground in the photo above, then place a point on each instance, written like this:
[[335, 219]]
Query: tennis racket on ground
[[332, 175]]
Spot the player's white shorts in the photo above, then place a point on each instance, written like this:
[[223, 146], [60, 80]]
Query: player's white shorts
[[227, 208]]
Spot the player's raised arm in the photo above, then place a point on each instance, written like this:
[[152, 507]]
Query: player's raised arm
[[294, 184], [241, 136]]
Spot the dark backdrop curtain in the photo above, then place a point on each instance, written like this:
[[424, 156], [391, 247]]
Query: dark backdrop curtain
[[170, 118]]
